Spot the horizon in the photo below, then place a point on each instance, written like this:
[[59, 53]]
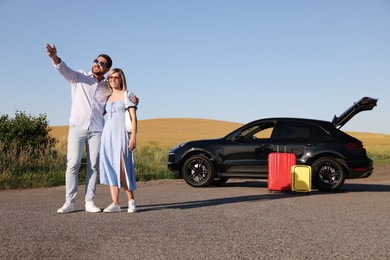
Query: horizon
[[222, 121]]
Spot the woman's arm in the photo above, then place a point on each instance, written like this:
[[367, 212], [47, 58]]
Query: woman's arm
[[134, 124]]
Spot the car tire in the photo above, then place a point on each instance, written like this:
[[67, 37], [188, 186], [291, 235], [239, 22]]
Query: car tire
[[198, 171], [328, 174]]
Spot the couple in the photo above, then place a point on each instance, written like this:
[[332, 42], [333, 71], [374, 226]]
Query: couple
[[92, 96]]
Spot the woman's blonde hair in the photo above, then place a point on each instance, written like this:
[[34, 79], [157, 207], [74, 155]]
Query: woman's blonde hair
[[123, 78]]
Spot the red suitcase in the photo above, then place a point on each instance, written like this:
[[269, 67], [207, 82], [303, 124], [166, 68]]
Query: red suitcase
[[279, 171]]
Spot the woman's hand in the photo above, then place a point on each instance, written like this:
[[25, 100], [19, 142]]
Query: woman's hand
[[132, 144]]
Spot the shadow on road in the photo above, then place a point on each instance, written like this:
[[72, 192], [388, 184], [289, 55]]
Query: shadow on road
[[351, 187], [210, 202], [226, 200], [363, 187], [347, 187]]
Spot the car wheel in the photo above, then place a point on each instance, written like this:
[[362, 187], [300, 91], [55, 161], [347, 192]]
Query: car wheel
[[198, 171], [220, 181], [328, 174]]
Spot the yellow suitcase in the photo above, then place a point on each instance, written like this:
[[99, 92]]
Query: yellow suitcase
[[301, 178]]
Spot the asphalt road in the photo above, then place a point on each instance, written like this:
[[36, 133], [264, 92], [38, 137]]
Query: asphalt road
[[240, 220]]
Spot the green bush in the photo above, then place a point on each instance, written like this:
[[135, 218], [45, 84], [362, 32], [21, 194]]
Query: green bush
[[27, 154], [25, 133]]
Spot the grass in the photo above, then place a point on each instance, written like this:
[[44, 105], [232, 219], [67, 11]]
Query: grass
[[155, 138], [30, 170], [377, 146], [150, 162]]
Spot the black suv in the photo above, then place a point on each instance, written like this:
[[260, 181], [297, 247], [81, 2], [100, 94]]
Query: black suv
[[333, 155]]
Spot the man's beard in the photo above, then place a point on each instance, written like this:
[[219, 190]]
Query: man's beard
[[97, 72]]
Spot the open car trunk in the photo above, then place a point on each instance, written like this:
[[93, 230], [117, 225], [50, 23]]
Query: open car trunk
[[363, 104]]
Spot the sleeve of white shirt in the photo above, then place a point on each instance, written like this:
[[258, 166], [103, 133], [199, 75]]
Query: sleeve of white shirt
[[69, 74]]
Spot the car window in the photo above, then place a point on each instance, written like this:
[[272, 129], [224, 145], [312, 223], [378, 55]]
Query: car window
[[258, 131], [264, 133], [320, 132], [296, 130]]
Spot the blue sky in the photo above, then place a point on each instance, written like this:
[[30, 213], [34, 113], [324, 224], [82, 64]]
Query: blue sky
[[216, 59]]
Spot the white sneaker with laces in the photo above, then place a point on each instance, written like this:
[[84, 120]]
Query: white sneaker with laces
[[132, 207], [112, 208], [66, 208], [90, 207]]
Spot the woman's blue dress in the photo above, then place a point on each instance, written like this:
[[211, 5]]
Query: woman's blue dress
[[114, 143]]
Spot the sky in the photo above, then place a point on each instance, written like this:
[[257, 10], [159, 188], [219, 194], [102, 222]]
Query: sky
[[230, 60]]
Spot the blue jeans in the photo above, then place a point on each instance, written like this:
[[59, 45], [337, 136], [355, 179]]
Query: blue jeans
[[77, 138]]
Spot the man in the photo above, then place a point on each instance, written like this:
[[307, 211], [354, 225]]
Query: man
[[89, 92]]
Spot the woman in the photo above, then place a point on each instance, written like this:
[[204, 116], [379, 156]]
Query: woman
[[116, 151]]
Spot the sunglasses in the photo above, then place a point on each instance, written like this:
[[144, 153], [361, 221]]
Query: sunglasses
[[100, 63], [113, 78]]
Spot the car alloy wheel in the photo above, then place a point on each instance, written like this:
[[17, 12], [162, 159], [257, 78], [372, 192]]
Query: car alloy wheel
[[198, 171], [328, 174]]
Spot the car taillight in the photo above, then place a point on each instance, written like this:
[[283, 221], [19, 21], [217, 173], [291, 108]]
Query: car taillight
[[355, 146]]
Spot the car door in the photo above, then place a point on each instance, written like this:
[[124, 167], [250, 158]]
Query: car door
[[296, 137], [247, 153]]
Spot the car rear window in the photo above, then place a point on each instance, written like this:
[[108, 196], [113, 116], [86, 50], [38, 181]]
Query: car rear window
[[296, 130], [320, 132]]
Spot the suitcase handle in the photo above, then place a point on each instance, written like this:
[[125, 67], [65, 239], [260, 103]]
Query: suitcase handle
[[285, 148]]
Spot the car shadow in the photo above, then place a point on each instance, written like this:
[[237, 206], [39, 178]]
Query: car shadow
[[364, 187], [221, 201], [347, 187], [351, 187], [210, 202], [249, 183]]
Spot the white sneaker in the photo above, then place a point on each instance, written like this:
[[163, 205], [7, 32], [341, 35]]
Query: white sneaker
[[132, 207], [68, 207], [112, 208], [90, 207]]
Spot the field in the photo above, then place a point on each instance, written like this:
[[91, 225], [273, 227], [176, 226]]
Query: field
[[169, 132]]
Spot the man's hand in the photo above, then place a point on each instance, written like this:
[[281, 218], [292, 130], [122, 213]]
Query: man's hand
[[52, 52], [135, 100]]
